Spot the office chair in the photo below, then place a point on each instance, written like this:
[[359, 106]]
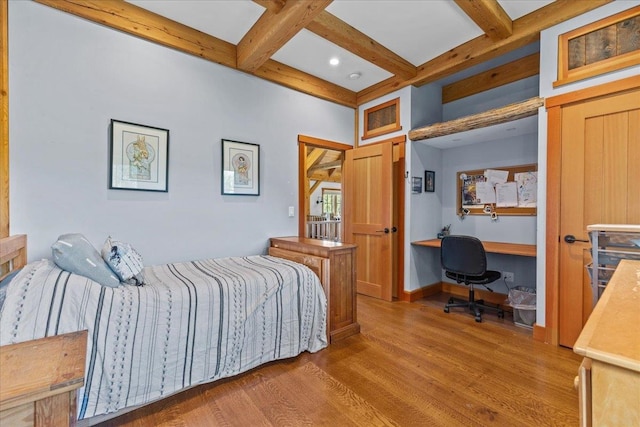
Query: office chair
[[464, 260]]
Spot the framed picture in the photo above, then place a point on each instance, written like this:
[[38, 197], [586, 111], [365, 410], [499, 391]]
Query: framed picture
[[138, 157], [416, 185], [240, 168], [429, 181]]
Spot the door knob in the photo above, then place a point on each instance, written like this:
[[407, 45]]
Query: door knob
[[570, 238], [385, 231], [394, 229]]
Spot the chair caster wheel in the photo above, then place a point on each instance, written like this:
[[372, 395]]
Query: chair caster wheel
[[501, 315], [446, 309], [478, 319], [451, 300]]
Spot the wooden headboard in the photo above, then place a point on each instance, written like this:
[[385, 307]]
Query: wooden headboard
[[13, 253]]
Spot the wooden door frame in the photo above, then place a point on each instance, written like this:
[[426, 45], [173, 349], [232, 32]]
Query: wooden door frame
[[554, 106], [4, 119], [305, 141]]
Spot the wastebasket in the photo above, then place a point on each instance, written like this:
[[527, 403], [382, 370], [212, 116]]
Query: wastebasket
[[523, 301]]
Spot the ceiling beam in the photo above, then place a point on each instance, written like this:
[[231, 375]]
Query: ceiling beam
[[274, 29], [489, 16], [139, 22], [314, 156], [314, 187], [134, 20], [495, 77], [340, 33], [324, 166], [525, 30], [344, 35], [142, 23], [292, 78]]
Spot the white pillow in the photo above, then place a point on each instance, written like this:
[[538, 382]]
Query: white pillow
[[125, 261], [74, 253]]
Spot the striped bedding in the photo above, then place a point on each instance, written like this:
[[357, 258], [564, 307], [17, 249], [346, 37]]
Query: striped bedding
[[192, 323]]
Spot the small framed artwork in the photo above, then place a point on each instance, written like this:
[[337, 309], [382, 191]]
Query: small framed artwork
[[240, 168], [138, 157], [416, 185], [429, 181]]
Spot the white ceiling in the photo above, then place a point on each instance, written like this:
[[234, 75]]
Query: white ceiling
[[416, 30]]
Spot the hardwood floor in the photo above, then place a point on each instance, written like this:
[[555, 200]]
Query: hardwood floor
[[412, 364]]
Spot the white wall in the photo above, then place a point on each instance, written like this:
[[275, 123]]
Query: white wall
[[548, 74], [69, 77]]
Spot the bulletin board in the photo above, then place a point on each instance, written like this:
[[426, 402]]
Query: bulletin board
[[517, 195]]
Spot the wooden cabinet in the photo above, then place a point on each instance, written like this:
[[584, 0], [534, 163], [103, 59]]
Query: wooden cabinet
[[39, 380], [609, 378], [335, 265]]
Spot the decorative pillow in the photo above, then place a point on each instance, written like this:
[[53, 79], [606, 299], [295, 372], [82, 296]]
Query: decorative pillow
[[74, 253], [125, 261]]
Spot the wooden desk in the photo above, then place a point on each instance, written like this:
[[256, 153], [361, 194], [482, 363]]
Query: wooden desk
[[609, 377], [492, 247]]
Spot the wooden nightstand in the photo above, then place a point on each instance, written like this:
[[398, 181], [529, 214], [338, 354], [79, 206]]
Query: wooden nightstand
[[336, 267]]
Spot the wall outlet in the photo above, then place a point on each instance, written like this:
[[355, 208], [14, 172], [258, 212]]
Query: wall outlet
[[508, 276]]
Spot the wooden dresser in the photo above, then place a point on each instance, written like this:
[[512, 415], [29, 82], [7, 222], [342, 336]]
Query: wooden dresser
[[39, 378], [335, 265], [609, 378]]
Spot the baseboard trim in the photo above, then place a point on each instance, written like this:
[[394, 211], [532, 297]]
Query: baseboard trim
[[539, 333], [423, 292]]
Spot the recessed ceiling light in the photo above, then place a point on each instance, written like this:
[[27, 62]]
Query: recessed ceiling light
[[334, 61], [355, 76]]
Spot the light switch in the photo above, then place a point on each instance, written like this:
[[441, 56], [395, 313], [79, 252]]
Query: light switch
[[291, 211]]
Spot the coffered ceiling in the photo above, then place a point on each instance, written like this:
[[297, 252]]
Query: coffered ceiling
[[381, 45]]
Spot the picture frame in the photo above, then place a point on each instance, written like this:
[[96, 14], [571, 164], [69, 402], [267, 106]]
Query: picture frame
[[429, 181], [138, 157], [416, 185], [240, 168]]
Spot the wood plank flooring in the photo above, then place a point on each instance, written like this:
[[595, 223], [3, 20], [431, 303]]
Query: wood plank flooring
[[411, 365]]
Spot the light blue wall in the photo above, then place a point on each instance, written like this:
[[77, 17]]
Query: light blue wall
[[424, 210], [428, 218], [69, 77]]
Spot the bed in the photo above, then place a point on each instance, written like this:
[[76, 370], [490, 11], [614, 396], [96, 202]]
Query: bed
[[191, 323]]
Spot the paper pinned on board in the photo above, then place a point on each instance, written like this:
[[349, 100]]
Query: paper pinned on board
[[527, 189], [495, 176], [507, 194], [485, 193]]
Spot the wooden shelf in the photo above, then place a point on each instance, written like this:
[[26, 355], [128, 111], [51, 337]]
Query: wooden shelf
[[503, 115], [520, 249]]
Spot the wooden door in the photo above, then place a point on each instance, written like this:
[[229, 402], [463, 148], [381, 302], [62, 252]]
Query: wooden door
[[600, 184], [368, 185]]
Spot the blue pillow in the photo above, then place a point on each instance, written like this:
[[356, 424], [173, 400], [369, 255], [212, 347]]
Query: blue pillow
[[74, 253]]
